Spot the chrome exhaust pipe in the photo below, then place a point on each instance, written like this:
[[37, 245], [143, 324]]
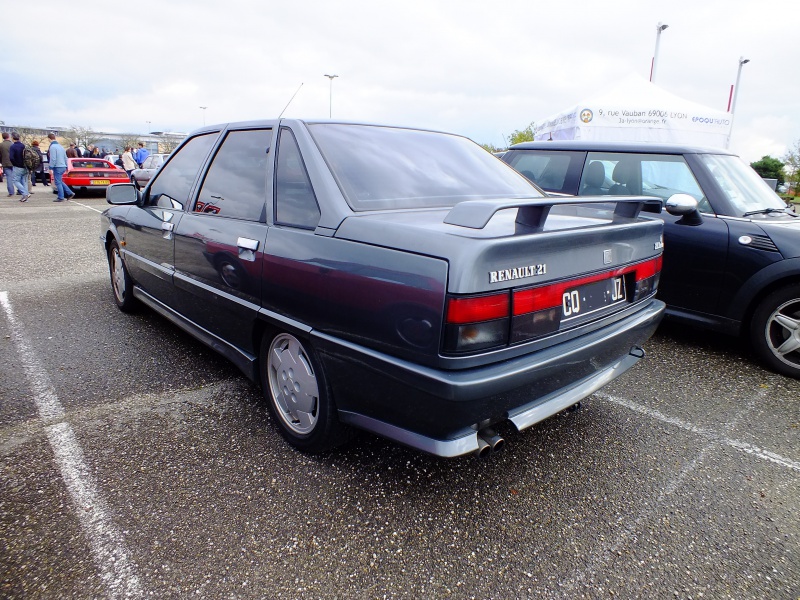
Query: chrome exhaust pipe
[[490, 437], [483, 448]]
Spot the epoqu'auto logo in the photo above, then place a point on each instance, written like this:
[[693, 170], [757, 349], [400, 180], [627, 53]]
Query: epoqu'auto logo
[[586, 115]]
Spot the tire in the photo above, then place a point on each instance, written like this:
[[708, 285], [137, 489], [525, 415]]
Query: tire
[[298, 395], [775, 331], [121, 282]]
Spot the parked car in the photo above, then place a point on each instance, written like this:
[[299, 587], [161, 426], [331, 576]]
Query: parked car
[[141, 177], [732, 256], [113, 158], [395, 280], [91, 174]]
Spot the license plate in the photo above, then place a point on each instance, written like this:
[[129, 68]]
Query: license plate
[[100, 181], [589, 298]]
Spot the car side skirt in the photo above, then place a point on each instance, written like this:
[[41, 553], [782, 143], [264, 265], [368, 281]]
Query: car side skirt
[[245, 361]]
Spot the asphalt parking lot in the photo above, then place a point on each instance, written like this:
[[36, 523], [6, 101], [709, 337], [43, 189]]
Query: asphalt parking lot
[[136, 463]]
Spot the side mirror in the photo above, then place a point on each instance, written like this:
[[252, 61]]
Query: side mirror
[[684, 206], [122, 193]]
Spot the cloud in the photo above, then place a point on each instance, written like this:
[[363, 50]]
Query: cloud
[[472, 67]]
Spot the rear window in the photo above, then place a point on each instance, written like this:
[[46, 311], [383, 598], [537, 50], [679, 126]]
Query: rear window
[[379, 168], [90, 164]]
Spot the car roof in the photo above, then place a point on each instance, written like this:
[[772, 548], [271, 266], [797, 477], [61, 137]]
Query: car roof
[[602, 146]]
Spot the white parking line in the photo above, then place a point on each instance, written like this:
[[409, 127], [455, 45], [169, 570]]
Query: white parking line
[[111, 556], [702, 431], [86, 206]]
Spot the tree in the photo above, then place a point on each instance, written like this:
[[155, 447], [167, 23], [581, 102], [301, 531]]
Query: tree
[[127, 139], [167, 143], [80, 136], [491, 148], [769, 168], [28, 134], [523, 135], [792, 162]]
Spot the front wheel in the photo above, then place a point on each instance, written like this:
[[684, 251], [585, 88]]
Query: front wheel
[[775, 331], [298, 396], [121, 281]]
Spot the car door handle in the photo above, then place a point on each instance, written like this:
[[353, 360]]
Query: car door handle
[[167, 226], [247, 244], [247, 249]]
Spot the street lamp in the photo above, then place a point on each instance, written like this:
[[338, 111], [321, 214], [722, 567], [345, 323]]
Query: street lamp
[[203, 108], [148, 125], [742, 61], [659, 28], [330, 95]]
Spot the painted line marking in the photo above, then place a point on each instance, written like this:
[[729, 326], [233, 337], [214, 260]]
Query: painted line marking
[[111, 557], [86, 206], [704, 432]]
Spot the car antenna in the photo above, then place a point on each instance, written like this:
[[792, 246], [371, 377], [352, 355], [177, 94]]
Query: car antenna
[[289, 102]]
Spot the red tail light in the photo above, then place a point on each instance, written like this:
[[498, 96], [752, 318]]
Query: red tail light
[[515, 316]]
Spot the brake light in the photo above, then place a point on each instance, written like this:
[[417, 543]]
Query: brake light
[[478, 308], [477, 322], [514, 316]]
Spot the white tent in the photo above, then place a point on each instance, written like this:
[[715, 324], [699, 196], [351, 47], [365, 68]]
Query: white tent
[[638, 111]]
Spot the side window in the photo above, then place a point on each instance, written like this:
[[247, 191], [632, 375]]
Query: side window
[[658, 175], [236, 183], [174, 182], [295, 202], [553, 171]]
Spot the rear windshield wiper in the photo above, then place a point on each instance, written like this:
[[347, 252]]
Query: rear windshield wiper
[[766, 211]]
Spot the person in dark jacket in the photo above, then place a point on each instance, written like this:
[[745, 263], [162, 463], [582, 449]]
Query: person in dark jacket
[[8, 168], [39, 173], [17, 155]]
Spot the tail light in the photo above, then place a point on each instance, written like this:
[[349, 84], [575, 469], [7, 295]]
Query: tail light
[[514, 316]]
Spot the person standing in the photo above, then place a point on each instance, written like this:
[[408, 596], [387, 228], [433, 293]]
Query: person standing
[[128, 162], [38, 172], [71, 152], [5, 160], [17, 155], [58, 165], [141, 154]]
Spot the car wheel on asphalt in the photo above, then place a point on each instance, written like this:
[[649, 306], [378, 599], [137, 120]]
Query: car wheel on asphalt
[[298, 395], [121, 281], [775, 331]]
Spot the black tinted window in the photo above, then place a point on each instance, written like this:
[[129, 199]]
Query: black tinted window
[[295, 203], [381, 168], [175, 180], [236, 183], [553, 171]]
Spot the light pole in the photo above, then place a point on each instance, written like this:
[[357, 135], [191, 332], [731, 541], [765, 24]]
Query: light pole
[[659, 28], [148, 125], [203, 108], [742, 61], [330, 95]]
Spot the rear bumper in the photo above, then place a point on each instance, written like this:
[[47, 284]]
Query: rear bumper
[[439, 411]]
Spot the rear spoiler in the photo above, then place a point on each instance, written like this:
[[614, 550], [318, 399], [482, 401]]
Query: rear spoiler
[[533, 212]]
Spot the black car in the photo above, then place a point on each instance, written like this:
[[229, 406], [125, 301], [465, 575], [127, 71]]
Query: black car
[[732, 255], [396, 280]]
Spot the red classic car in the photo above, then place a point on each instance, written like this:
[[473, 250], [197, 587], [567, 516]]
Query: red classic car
[[92, 174]]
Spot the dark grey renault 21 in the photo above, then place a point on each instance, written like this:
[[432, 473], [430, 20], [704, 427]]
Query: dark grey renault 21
[[396, 280]]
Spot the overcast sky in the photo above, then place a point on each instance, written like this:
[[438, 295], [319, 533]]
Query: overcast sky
[[478, 68]]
